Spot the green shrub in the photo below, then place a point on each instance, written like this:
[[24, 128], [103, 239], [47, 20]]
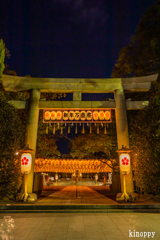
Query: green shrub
[[12, 136]]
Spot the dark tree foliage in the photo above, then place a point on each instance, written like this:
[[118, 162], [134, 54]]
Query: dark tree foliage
[[140, 58], [12, 138], [46, 143], [96, 146], [145, 141]]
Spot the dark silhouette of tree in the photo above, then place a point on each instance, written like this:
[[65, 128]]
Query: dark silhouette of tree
[[140, 58]]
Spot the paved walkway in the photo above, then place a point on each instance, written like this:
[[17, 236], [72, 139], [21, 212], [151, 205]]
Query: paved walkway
[[77, 226], [67, 195]]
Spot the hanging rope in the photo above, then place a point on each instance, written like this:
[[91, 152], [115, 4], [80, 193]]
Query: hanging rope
[[97, 128], [90, 130], [47, 128], [83, 132], [76, 129], [54, 128], [69, 128]]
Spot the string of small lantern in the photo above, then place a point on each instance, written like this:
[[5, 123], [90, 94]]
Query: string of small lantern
[[60, 126]]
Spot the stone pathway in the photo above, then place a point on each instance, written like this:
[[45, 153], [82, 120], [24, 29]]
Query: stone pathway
[[77, 226], [67, 195]]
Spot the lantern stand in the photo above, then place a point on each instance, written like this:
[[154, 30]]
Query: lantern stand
[[26, 159], [126, 197], [56, 177], [77, 183], [124, 170], [96, 177]]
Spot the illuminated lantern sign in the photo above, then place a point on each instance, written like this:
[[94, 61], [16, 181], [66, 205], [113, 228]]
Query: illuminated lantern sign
[[56, 176], [96, 176], [125, 163], [77, 115], [26, 162]]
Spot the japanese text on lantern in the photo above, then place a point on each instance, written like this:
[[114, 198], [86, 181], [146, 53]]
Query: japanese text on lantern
[[76, 115]]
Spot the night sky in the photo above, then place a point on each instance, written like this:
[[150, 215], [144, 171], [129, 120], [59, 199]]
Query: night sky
[[68, 38]]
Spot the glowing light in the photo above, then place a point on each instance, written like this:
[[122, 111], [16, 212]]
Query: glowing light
[[26, 161], [125, 163]]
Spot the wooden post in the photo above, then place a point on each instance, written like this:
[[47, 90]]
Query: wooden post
[[25, 187]]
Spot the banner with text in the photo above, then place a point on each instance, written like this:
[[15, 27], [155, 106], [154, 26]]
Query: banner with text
[[76, 115]]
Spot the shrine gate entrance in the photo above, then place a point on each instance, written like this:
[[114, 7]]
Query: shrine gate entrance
[[118, 86]]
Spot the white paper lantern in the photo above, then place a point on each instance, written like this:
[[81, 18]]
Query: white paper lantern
[[53, 115], [77, 115], [56, 176], [83, 115], [89, 115], [59, 115], [96, 176], [95, 115], [26, 163], [71, 115], [65, 115], [101, 115], [107, 115], [125, 163], [47, 115]]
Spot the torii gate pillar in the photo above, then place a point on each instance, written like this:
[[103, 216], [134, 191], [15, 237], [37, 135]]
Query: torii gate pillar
[[122, 133], [31, 132]]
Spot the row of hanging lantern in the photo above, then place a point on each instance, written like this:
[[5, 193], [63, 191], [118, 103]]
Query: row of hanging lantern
[[60, 126]]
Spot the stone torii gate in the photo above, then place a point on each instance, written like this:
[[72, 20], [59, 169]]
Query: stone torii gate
[[118, 86]]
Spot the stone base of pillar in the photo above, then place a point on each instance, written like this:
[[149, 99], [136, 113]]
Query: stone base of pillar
[[122, 197], [32, 198], [132, 196]]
